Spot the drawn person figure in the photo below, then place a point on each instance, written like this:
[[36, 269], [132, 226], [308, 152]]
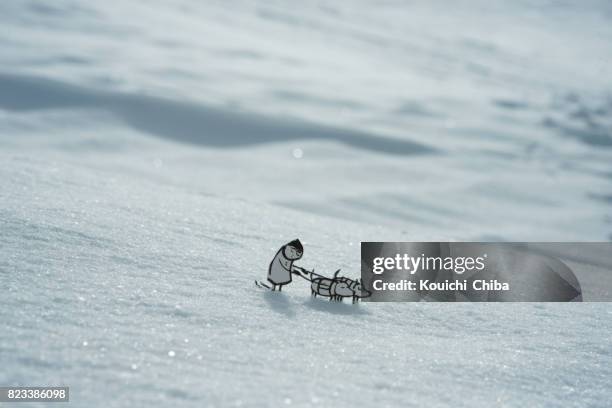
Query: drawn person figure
[[281, 267]]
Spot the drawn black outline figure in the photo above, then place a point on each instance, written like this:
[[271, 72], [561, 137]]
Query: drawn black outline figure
[[281, 268], [336, 288]]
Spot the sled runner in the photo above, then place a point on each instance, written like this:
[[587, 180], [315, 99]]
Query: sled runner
[[262, 285]]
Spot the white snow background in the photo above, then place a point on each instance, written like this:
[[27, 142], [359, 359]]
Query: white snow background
[[155, 155]]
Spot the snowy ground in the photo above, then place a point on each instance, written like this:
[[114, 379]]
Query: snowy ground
[[155, 155]]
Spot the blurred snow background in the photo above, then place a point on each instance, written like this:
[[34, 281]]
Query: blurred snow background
[[154, 155]]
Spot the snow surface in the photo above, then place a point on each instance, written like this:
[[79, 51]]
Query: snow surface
[[154, 156]]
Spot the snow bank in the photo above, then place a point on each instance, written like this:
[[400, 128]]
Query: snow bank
[[154, 156]]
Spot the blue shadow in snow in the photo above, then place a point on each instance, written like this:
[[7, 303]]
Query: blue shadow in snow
[[279, 303], [187, 122], [341, 308]]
